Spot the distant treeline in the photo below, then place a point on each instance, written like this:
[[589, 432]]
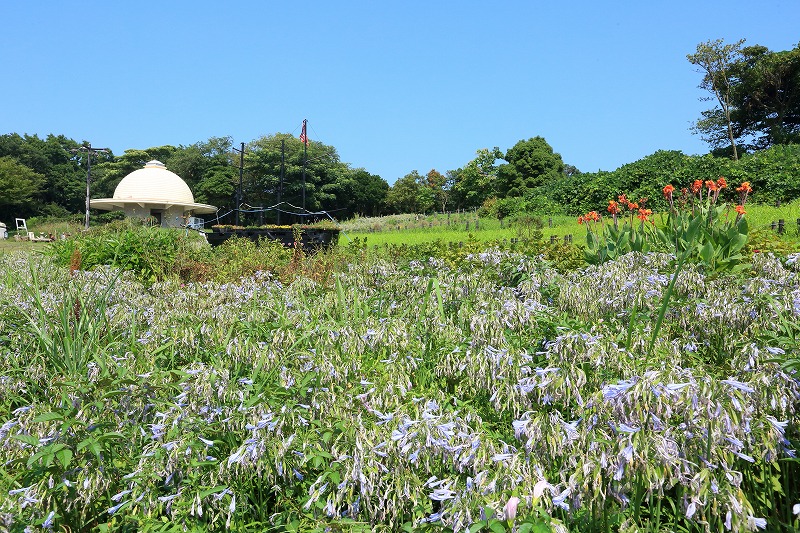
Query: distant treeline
[[47, 177]]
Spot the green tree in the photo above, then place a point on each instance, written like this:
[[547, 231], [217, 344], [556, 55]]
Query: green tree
[[262, 173], [767, 97], [64, 187], [529, 164], [217, 188], [475, 182], [717, 62], [404, 196], [21, 186], [107, 174], [440, 187], [359, 192]]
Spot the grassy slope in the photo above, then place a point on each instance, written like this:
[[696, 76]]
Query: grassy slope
[[415, 229]]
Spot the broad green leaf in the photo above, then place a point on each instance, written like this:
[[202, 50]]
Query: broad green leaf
[[497, 526], [46, 417], [64, 456], [27, 439], [707, 253], [214, 490]]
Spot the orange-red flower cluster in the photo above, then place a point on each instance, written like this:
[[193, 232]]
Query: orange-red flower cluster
[[697, 186], [644, 214], [613, 207], [668, 191], [744, 189], [591, 216]]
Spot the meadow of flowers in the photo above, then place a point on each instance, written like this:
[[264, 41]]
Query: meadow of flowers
[[495, 393]]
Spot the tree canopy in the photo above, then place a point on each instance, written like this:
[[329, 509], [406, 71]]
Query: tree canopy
[[757, 93], [529, 164], [48, 176]]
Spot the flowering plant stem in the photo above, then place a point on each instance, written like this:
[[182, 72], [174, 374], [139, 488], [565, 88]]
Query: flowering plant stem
[[692, 234]]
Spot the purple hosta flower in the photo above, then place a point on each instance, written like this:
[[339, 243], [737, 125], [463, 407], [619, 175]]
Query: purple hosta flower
[[736, 442], [5, 429], [738, 385], [519, 427], [384, 417], [511, 508], [378, 449], [414, 455], [330, 509], [753, 522], [627, 453], [237, 456], [442, 494], [245, 381], [675, 387], [115, 508], [746, 457], [118, 496], [691, 509], [625, 428], [612, 392], [620, 472], [560, 500], [435, 517], [570, 430], [48, 522], [499, 457]]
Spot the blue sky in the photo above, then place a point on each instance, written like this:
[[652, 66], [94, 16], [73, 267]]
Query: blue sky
[[394, 86]]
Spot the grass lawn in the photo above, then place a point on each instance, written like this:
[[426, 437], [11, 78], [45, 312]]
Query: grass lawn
[[416, 229]]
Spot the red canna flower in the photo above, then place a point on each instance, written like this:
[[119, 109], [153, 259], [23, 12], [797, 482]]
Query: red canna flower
[[740, 209], [697, 186], [668, 191], [711, 185], [721, 183], [613, 207]]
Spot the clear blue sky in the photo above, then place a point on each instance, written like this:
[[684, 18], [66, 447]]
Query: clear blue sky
[[394, 86]]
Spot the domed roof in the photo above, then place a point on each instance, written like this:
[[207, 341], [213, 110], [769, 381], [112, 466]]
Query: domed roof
[[154, 186], [154, 183]]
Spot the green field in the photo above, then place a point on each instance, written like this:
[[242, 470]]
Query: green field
[[416, 229]]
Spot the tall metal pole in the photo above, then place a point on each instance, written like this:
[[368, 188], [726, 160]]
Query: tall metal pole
[[280, 184], [89, 151], [305, 160], [88, 184], [239, 188]]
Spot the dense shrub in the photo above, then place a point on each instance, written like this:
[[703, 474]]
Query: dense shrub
[[150, 252], [774, 174]]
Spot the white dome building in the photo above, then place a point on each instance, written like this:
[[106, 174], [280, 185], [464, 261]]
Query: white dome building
[[154, 191]]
